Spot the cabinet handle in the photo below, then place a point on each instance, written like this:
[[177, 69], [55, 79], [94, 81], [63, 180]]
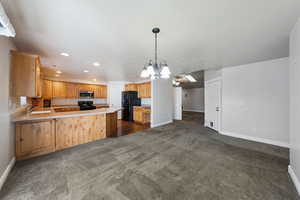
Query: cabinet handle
[[21, 139]]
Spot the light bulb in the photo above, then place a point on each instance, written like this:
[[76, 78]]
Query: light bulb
[[144, 73], [150, 70], [165, 71]]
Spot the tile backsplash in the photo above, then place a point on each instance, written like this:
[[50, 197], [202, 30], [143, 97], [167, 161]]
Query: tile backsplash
[[146, 101], [56, 102]]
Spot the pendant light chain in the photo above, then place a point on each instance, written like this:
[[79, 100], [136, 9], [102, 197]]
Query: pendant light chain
[[155, 70]]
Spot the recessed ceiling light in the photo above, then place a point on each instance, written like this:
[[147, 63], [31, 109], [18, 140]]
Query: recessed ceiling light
[[86, 71], [64, 54], [58, 72], [96, 64]]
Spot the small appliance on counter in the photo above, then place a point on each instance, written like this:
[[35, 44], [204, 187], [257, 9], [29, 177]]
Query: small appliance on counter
[[86, 105], [129, 99], [47, 103]]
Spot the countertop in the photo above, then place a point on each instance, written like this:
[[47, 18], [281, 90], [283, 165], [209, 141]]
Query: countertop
[[57, 115], [144, 106]]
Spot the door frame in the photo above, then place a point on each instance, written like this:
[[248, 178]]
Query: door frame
[[208, 82]]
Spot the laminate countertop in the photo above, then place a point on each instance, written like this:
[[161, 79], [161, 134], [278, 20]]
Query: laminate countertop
[[56, 115]]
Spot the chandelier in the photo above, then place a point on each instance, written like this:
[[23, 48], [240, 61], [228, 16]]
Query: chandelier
[[155, 70]]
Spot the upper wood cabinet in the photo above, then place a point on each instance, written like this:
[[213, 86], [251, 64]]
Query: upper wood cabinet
[[59, 89], [100, 91], [25, 75], [131, 87], [72, 90], [144, 90], [47, 89]]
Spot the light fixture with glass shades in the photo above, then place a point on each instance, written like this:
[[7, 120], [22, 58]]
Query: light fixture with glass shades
[[155, 70]]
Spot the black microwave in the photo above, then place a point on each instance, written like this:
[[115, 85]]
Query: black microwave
[[86, 94]]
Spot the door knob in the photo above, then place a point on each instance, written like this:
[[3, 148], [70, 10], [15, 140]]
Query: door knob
[[217, 109]]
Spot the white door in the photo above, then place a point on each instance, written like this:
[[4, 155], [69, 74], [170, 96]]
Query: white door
[[177, 110], [212, 104]]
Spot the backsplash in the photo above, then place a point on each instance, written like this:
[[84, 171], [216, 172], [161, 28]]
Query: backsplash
[[56, 102], [146, 101]]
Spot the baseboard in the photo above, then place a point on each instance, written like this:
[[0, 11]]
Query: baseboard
[[161, 124], [256, 139], [191, 110], [294, 178], [7, 171]]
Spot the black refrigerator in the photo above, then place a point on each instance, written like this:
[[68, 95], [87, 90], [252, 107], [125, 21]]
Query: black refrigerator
[[129, 99]]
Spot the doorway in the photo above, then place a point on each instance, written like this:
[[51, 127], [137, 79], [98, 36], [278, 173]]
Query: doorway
[[213, 104]]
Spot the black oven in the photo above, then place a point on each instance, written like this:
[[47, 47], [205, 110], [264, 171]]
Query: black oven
[[86, 94]]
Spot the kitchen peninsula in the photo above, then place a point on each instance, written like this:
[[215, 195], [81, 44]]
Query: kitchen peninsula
[[50, 131]]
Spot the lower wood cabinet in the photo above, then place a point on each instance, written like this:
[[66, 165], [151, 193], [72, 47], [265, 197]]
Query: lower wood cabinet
[[141, 114], [112, 124], [79, 130], [37, 138], [34, 139]]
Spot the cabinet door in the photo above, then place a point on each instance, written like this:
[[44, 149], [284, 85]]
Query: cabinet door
[[64, 129], [143, 90], [47, 89], [104, 91], [148, 90], [34, 138], [59, 89], [100, 127], [112, 124], [138, 114], [72, 90], [139, 90], [98, 91], [131, 87], [23, 74], [38, 84]]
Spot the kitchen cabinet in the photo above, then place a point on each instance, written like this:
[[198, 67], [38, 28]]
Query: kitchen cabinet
[[131, 87], [141, 114], [79, 130], [100, 91], [47, 89], [34, 139], [59, 89], [112, 124], [144, 90], [72, 90], [86, 87], [25, 74]]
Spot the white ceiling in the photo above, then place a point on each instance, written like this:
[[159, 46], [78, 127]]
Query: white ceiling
[[195, 34]]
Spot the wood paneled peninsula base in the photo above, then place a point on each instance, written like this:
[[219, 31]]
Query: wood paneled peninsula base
[[39, 134]]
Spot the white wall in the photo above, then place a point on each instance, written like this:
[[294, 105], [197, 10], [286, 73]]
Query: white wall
[[7, 129], [193, 99], [177, 110], [115, 95], [162, 102], [255, 101], [294, 168], [212, 74]]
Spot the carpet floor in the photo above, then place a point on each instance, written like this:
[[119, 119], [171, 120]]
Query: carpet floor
[[182, 160]]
